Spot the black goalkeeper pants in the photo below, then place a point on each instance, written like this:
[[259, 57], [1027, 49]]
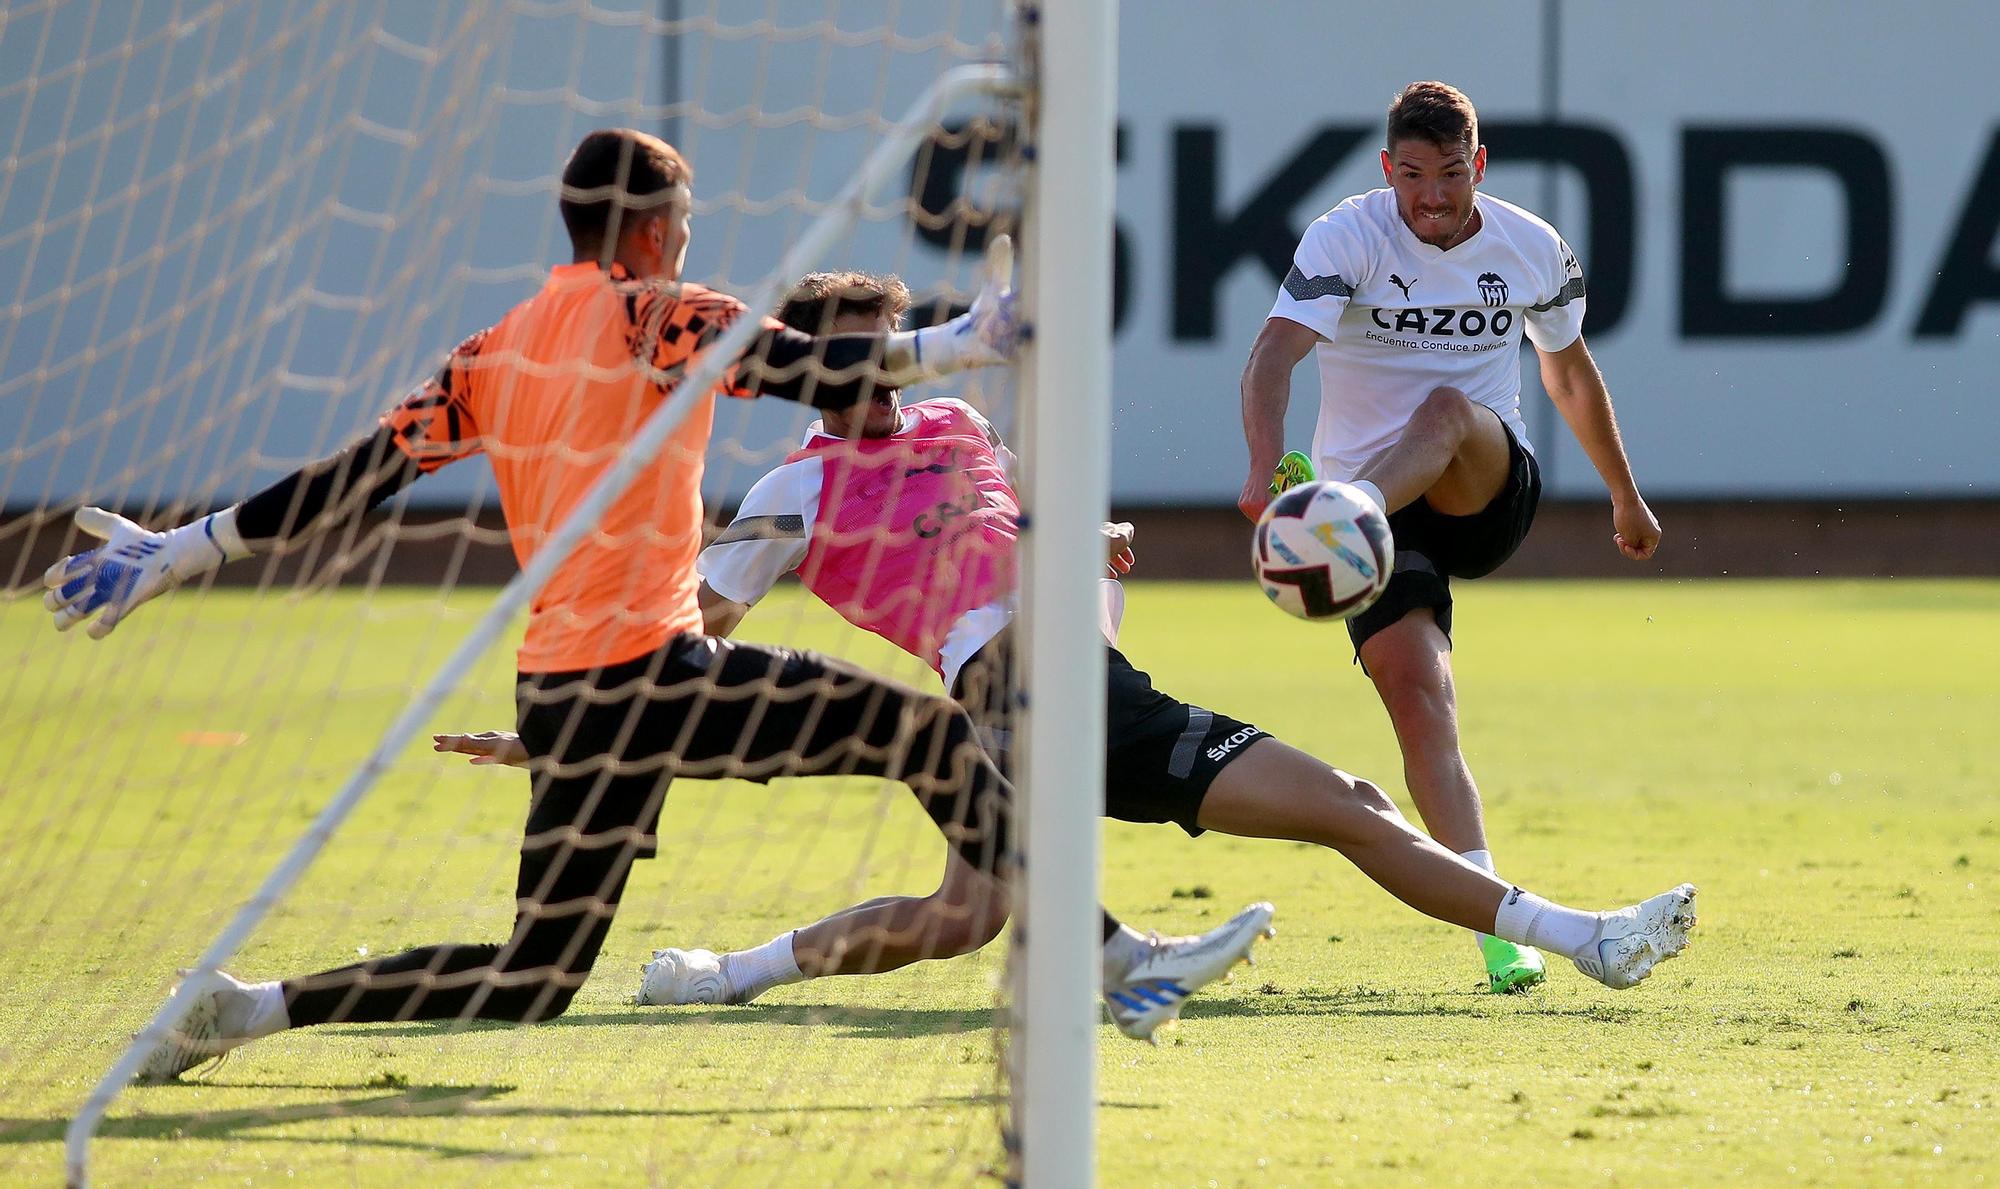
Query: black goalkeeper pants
[[606, 743]]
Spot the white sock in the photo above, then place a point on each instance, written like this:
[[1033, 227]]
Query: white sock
[[1375, 493], [752, 972], [269, 1015], [251, 1010], [1527, 919], [1122, 951], [1482, 859]]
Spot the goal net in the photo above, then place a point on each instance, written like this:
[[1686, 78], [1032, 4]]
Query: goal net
[[233, 235]]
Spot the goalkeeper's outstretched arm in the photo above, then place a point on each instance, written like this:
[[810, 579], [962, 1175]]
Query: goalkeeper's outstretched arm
[[134, 564], [325, 494], [836, 371]]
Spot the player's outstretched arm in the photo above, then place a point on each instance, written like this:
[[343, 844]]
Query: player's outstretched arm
[[1267, 392], [136, 564], [836, 371], [987, 335], [133, 565], [1577, 388]]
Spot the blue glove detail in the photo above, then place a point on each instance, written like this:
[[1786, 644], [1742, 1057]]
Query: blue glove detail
[[109, 579], [133, 565]]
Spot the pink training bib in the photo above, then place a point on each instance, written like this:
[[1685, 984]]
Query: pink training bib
[[913, 530]]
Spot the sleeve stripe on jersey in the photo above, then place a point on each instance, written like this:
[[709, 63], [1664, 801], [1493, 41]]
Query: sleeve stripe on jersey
[[1570, 292], [762, 528], [1304, 288]]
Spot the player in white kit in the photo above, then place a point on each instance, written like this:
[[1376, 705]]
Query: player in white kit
[[1413, 300]]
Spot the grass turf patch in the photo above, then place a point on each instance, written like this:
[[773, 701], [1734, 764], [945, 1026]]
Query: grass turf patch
[[1815, 755]]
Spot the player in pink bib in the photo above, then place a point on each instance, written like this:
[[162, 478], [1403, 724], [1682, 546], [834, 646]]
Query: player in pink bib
[[940, 480], [904, 520]]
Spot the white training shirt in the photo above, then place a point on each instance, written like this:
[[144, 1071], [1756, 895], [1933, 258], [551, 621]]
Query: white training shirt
[[1398, 317]]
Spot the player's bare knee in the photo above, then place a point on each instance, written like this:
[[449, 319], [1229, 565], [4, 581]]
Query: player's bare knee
[[1362, 800], [1341, 810], [1414, 697], [1445, 413], [1446, 401], [1369, 795]]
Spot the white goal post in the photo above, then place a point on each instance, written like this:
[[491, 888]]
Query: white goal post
[[1067, 400]]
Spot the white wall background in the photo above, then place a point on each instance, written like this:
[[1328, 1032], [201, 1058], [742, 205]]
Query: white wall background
[[242, 233], [1872, 411]]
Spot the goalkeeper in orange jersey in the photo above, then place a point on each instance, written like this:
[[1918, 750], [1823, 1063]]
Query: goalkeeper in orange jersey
[[903, 519], [619, 689]]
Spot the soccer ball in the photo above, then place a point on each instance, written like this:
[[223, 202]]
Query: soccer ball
[[1323, 551]]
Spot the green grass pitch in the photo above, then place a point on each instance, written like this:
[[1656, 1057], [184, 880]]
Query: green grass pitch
[[1819, 757]]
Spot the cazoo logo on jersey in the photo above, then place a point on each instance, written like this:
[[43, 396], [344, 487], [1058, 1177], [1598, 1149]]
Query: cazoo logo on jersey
[[1487, 329], [1445, 321]]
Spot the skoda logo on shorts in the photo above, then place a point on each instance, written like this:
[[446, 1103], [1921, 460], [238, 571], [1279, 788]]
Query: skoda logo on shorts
[[1493, 289], [1221, 750]]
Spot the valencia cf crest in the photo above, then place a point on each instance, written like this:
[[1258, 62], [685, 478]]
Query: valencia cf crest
[[1493, 289]]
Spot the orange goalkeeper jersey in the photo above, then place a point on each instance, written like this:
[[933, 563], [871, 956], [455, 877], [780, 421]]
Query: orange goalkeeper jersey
[[550, 394]]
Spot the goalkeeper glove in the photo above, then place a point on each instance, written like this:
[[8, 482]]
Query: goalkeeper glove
[[133, 565], [1293, 469], [986, 335]]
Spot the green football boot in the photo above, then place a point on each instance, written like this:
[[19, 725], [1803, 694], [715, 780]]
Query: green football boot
[[1511, 969], [1293, 469]]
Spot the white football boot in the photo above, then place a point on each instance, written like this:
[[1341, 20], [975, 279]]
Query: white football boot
[[1152, 989], [677, 977], [202, 1035], [1631, 941]]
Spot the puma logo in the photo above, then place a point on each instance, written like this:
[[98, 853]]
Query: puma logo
[[1402, 284]]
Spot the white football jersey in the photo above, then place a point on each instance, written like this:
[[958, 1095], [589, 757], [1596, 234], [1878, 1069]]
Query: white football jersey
[[1398, 317]]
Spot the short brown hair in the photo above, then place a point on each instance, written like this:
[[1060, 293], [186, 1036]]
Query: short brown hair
[[820, 297], [616, 170], [1435, 112]]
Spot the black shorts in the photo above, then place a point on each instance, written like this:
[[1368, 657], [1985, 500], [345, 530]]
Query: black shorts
[[1160, 754], [1432, 548], [607, 742]]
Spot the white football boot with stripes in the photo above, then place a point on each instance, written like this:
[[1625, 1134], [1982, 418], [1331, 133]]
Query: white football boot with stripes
[[202, 1035], [1151, 990], [1631, 941], [677, 977]]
